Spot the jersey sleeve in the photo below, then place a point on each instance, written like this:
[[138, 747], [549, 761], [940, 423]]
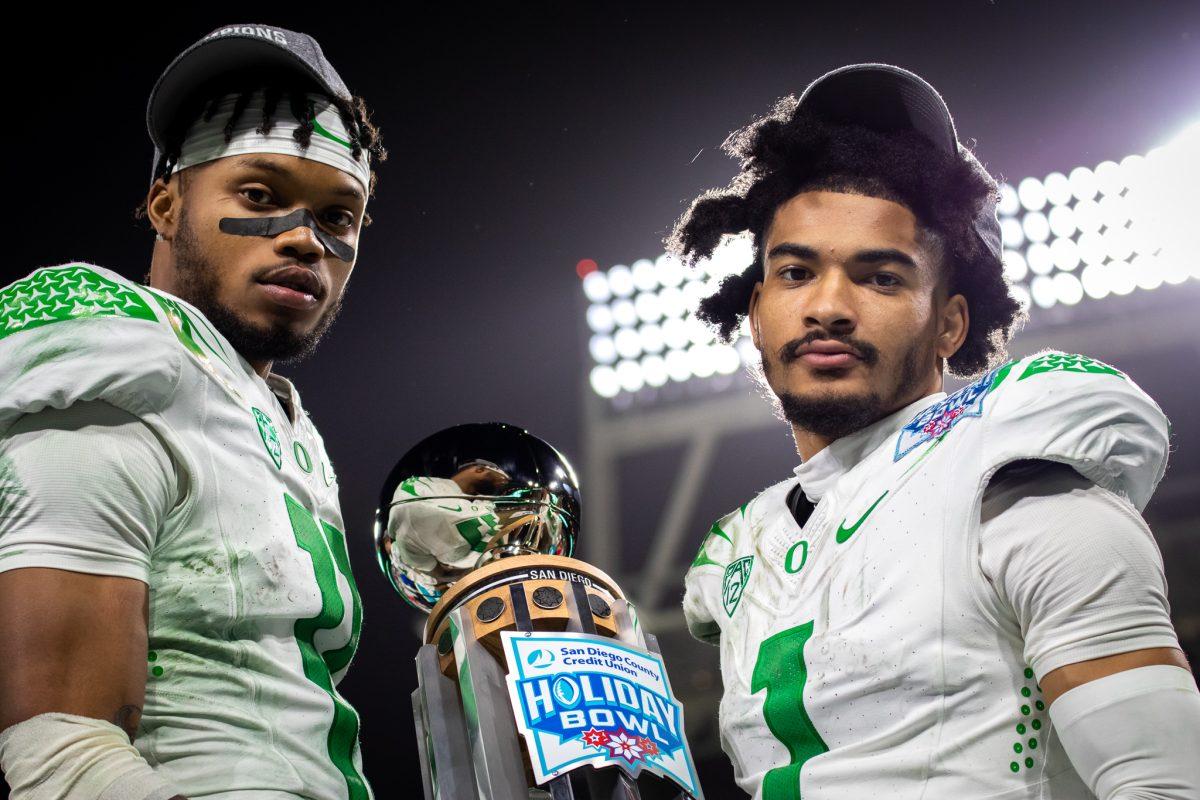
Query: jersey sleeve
[[1078, 411], [702, 607], [1077, 566], [86, 489]]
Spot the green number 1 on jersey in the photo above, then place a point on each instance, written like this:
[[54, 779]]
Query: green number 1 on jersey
[[780, 669], [327, 545]]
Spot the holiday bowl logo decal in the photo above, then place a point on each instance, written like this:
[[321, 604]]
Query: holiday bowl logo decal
[[580, 699], [937, 420]]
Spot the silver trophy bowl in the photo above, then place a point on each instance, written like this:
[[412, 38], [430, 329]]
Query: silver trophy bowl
[[468, 495]]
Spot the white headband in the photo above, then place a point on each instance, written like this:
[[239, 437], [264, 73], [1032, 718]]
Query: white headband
[[329, 143]]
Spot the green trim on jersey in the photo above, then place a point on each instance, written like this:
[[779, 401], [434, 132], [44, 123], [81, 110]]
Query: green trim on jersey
[[409, 485], [319, 541], [189, 329], [64, 293], [702, 557], [478, 531], [1068, 362], [10, 487]]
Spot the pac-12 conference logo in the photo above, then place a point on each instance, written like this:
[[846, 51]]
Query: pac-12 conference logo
[[581, 699]]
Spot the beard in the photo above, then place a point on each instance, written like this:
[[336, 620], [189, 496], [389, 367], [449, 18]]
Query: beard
[[831, 415], [198, 285]]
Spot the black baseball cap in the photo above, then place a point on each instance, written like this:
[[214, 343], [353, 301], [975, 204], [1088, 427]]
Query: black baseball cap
[[235, 48], [887, 98]]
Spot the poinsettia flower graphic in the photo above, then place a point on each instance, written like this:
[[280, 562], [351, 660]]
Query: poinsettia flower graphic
[[648, 745], [595, 738], [625, 746]]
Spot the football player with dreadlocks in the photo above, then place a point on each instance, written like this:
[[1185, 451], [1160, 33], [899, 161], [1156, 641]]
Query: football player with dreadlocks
[[954, 596], [176, 599]]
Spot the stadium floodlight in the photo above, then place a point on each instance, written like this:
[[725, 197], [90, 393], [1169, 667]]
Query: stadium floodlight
[[1083, 183], [620, 281], [600, 317], [1036, 226], [1032, 194], [1058, 188], [595, 286], [1009, 203], [1069, 238], [1011, 233], [645, 276], [1062, 221], [604, 381], [603, 349], [1015, 267]]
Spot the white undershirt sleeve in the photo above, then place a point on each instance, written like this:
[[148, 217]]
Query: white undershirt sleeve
[[1076, 564], [1134, 735], [86, 488]]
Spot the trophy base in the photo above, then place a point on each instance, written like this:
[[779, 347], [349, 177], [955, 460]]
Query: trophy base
[[535, 592], [464, 719]]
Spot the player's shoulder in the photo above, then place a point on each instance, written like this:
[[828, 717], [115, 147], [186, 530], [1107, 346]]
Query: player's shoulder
[[81, 332], [733, 534], [1077, 410], [1040, 383]]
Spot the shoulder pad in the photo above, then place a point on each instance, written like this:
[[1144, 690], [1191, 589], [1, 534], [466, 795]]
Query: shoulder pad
[[718, 546], [1082, 412], [78, 332], [703, 584]]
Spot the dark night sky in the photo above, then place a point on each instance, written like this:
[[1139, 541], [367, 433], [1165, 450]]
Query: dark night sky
[[524, 138]]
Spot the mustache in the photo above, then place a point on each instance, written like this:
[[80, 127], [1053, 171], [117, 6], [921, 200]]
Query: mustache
[[866, 351]]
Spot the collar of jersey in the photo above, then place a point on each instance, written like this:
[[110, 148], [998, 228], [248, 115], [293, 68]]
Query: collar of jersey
[[822, 471]]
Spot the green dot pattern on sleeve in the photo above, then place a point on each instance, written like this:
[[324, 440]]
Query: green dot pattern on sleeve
[[158, 671], [1023, 727], [152, 656]]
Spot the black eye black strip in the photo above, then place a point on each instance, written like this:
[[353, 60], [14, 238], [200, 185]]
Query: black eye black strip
[[273, 226]]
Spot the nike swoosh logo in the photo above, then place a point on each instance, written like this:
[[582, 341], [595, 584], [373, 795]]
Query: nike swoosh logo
[[844, 533], [448, 508]]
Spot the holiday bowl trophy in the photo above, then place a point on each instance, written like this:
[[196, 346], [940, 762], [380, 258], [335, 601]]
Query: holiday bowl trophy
[[535, 679]]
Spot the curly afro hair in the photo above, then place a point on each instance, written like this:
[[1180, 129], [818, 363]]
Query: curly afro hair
[[791, 151]]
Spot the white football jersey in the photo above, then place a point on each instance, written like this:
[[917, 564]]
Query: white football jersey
[[254, 614], [865, 654], [450, 533]]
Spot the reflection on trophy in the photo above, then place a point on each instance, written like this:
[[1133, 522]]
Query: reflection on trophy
[[535, 679]]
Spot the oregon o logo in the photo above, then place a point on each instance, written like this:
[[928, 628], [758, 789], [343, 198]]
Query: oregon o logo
[[302, 457], [789, 561]]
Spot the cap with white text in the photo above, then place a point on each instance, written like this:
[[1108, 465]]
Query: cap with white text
[[237, 48]]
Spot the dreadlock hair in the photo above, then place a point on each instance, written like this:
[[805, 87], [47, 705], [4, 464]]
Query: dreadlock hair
[[791, 151], [204, 103]]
